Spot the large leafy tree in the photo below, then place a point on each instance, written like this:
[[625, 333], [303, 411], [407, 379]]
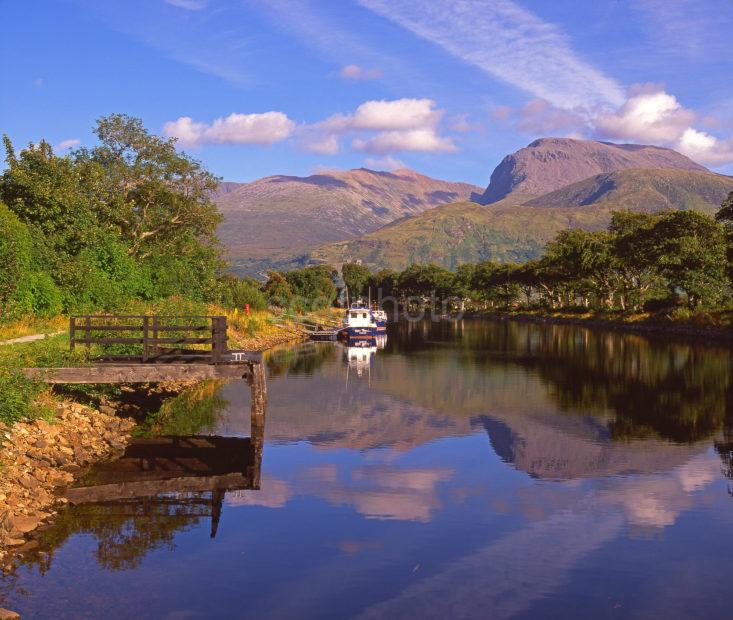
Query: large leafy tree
[[314, 286], [426, 280], [690, 252], [156, 195], [725, 217], [634, 249], [585, 263]]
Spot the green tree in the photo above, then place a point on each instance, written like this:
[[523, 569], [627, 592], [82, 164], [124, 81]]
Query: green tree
[[313, 286], [153, 193], [725, 217], [690, 251], [356, 277], [278, 290], [634, 249], [586, 265], [426, 280]]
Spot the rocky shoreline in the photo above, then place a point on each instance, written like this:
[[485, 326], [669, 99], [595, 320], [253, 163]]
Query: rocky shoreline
[[38, 459]]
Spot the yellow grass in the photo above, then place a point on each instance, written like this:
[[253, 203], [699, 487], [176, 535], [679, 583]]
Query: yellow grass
[[28, 326]]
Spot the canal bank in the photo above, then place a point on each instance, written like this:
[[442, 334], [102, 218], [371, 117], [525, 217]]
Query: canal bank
[[41, 458], [639, 324]]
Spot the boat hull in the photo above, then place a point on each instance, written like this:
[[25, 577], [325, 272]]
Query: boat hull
[[353, 333]]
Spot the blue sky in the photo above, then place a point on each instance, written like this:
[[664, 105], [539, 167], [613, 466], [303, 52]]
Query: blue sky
[[447, 87]]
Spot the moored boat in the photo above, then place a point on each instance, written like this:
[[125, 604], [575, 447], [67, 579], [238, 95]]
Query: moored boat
[[359, 322], [380, 316]]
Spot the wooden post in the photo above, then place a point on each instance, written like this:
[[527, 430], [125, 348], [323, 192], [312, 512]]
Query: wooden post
[[258, 408], [72, 332], [146, 338], [155, 336], [88, 334]]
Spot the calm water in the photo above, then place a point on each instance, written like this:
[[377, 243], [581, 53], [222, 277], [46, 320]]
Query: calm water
[[466, 470]]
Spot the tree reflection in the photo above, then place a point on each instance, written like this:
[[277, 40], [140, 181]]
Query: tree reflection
[[299, 360]]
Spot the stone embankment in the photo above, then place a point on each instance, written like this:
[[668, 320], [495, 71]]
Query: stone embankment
[[37, 458]]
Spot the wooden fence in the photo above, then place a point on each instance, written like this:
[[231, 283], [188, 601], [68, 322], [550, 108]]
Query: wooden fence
[[162, 339]]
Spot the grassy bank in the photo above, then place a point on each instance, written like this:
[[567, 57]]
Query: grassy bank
[[21, 398]]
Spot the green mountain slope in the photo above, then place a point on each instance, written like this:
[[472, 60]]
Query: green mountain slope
[[467, 232]]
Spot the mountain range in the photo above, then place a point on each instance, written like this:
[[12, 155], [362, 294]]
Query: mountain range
[[279, 217], [393, 219]]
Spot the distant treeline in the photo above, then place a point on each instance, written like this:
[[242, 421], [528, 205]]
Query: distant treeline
[[642, 262]]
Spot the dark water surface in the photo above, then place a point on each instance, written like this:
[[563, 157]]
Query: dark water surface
[[468, 470]]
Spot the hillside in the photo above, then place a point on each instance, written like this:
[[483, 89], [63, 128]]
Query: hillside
[[548, 164], [286, 215], [643, 190], [468, 232]]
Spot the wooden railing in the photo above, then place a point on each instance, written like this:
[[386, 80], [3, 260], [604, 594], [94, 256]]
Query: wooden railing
[[162, 339]]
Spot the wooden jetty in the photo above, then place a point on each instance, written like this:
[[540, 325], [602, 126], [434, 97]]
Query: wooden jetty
[[152, 349]]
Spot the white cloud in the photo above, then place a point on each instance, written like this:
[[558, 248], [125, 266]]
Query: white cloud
[[190, 5], [647, 116], [384, 163], [355, 72], [401, 125], [67, 144], [704, 148], [651, 115], [398, 114], [406, 140], [508, 42], [264, 128]]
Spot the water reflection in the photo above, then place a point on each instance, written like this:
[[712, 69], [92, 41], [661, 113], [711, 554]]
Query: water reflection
[[534, 471]]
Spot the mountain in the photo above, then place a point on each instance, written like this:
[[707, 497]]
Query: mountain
[[468, 232], [548, 164], [642, 190], [281, 216]]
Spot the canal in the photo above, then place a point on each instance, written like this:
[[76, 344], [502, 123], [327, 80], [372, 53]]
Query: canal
[[467, 469]]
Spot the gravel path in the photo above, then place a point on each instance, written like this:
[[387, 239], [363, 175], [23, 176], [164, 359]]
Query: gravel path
[[30, 338]]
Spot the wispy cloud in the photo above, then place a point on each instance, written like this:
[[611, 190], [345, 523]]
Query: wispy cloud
[[190, 5], [67, 144], [507, 42], [266, 128], [357, 73], [384, 163], [681, 28]]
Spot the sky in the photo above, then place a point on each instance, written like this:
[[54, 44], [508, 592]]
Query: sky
[[446, 87]]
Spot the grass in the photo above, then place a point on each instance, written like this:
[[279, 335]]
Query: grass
[[31, 325]]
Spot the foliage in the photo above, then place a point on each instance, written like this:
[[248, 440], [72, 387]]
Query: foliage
[[131, 218], [313, 286], [356, 277], [278, 290], [234, 292]]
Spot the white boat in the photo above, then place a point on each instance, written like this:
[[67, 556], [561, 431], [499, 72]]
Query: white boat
[[359, 322]]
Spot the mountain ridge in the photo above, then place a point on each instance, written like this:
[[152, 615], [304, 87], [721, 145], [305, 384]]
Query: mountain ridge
[[547, 164], [289, 214]]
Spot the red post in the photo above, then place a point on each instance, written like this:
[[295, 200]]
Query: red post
[[246, 309]]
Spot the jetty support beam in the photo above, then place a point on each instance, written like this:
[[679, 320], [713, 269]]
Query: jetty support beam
[[140, 373]]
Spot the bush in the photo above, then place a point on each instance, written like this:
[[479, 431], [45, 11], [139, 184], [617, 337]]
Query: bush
[[233, 292], [47, 299], [16, 255]]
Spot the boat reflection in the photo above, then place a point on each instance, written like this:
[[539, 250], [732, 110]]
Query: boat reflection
[[359, 352]]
